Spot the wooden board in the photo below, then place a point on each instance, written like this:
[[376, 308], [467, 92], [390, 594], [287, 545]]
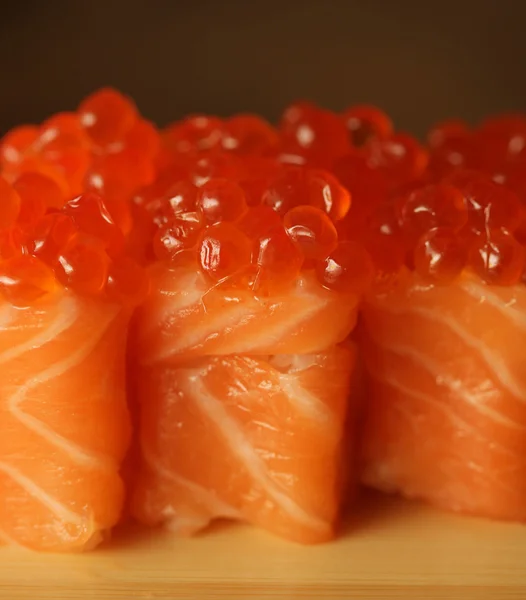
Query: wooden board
[[390, 549]]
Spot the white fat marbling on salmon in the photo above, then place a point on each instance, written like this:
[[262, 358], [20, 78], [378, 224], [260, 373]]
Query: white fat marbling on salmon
[[6, 315], [485, 294], [80, 455], [491, 358], [306, 403], [67, 315], [206, 498], [213, 409], [223, 324], [267, 336], [453, 384], [61, 511]]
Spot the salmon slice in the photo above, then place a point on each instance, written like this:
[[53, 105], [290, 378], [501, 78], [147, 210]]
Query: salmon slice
[[258, 439], [446, 412], [186, 317], [64, 426]]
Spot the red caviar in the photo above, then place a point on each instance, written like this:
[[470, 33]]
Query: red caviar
[[221, 200], [24, 279], [91, 216], [348, 268], [107, 116], [127, 282], [249, 134], [311, 135], [258, 221], [180, 233], [498, 258], [440, 255], [51, 234], [9, 205], [312, 230], [16, 143], [38, 191], [223, 251], [399, 157], [83, 265], [278, 261], [367, 122], [438, 205], [343, 194], [194, 134]]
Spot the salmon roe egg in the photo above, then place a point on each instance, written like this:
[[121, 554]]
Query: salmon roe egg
[[336, 199], [294, 186], [490, 205], [499, 140], [127, 283], [438, 205], [196, 133], [388, 256], [24, 279], [180, 233], [287, 190], [119, 175], [498, 258], [367, 189], [37, 190], [9, 205], [16, 143], [93, 218], [347, 269], [367, 122], [249, 134], [51, 234], [61, 133], [223, 251], [13, 242], [258, 221], [107, 116], [221, 200], [143, 137], [443, 131], [316, 135], [255, 175], [312, 230], [440, 255], [218, 166], [82, 265], [400, 158], [179, 199], [278, 260]]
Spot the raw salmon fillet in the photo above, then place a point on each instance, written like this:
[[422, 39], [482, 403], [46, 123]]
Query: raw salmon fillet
[[187, 317], [64, 426], [446, 410], [236, 421]]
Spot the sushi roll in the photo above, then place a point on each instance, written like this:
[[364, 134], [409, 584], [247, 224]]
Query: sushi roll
[[444, 345], [244, 366], [67, 292]]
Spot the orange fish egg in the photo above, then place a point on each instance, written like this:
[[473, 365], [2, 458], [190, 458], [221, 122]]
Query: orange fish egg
[[24, 279], [223, 251], [347, 269], [312, 230]]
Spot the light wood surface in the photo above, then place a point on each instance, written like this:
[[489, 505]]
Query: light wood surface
[[390, 549]]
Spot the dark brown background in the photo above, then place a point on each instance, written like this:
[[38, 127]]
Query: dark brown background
[[420, 60]]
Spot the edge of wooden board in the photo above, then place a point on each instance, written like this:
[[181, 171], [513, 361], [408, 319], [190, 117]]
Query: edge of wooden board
[[390, 548]]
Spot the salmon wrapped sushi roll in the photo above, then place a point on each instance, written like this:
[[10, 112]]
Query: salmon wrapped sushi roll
[[67, 292], [243, 365], [444, 346], [66, 300]]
